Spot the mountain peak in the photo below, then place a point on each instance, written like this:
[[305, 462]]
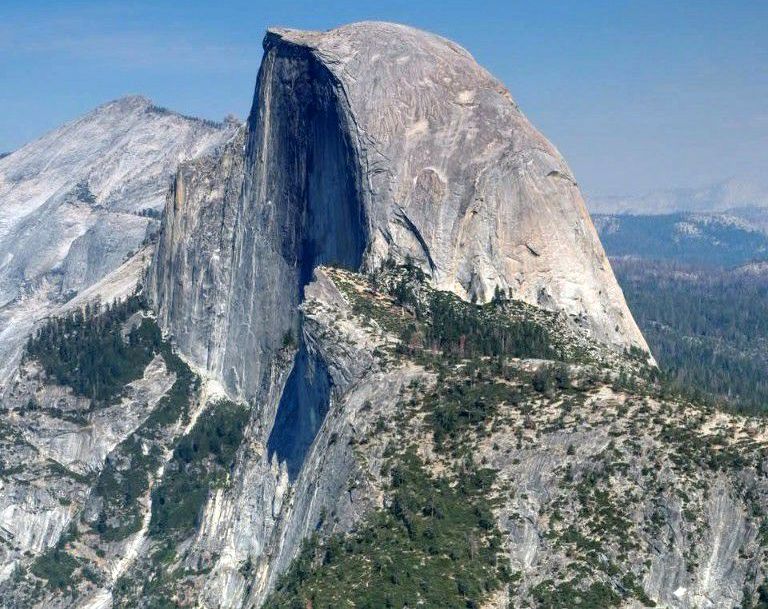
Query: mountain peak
[[362, 31], [126, 103], [464, 184], [92, 187], [369, 144]]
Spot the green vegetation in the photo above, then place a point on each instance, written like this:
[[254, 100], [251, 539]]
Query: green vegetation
[[761, 602], [112, 353], [465, 330], [60, 570], [96, 352], [444, 323], [123, 481], [201, 461], [435, 542], [707, 329], [458, 407], [573, 593], [435, 546], [705, 451], [88, 352], [126, 474], [57, 567], [438, 327], [479, 391], [157, 587]]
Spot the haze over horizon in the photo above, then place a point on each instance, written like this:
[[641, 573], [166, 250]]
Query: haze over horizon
[[637, 98]]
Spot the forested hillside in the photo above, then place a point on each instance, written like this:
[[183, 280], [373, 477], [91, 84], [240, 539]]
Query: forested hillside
[[708, 328], [712, 240]]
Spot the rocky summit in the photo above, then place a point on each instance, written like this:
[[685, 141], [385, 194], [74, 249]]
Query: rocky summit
[[374, 357], [77, 202], [365, 143]]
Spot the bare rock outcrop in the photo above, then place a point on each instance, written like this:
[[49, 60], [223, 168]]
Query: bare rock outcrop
[[77, 201], [455, 176], [364, 143]]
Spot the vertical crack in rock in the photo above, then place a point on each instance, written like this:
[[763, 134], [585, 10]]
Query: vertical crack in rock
[[365, 143], [227, 285]]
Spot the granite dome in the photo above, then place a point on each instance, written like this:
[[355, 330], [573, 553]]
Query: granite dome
[[454, 175]]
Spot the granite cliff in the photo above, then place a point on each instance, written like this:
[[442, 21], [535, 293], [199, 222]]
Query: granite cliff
[[365, 143], [75, 202], [379, 358]]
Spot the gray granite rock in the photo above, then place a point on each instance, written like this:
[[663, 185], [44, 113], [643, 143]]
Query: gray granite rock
[[75, 202], [364, 143], [453, 174]]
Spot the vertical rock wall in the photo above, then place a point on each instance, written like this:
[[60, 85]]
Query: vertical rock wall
[[368, 142], [241, 236], [364, 143]]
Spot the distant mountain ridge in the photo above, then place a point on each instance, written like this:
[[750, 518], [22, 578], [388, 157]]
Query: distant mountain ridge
[[723, 239], [76, 201], [736, 192]]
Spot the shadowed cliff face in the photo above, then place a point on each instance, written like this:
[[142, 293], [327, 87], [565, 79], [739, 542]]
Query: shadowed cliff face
[[290, 204], [302, 409], [300, 208], [301, 170], [245, 229], [370, 142]]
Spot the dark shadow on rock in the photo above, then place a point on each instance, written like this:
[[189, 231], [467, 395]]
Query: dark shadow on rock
[[301, 411]]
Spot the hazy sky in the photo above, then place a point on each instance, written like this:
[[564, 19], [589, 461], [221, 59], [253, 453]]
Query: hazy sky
[[636, 95]]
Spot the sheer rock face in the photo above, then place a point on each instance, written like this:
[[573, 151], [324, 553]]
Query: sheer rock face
[[367, 142], [454, 175], [244, 228], [76, 201]]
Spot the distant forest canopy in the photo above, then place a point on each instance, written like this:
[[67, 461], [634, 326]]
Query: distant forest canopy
[[707, 327], [712, 240]]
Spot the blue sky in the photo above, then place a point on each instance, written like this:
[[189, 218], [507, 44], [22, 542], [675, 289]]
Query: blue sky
[[636, 95]]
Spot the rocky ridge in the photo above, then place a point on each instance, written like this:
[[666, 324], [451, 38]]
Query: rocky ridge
[[590, 480], [75, 202], [364, 143]]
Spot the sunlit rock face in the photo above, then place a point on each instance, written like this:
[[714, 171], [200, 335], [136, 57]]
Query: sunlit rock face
[[364, 143], [75, 202], [455, 176]]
